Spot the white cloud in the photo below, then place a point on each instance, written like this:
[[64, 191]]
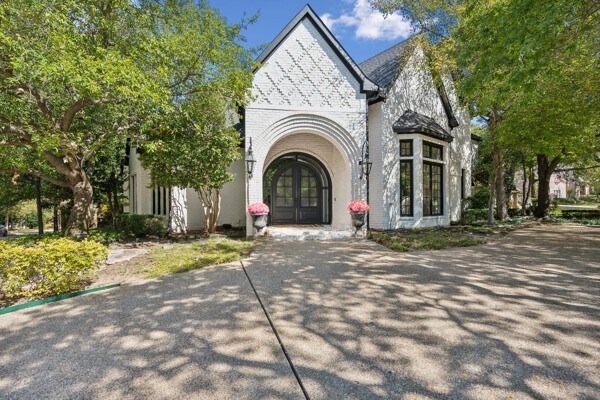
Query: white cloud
[[369, 23]]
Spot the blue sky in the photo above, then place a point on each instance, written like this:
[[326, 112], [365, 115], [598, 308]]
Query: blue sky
[[362, 31]]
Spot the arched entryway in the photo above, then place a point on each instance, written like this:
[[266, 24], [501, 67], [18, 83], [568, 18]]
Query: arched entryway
[[297, 188]]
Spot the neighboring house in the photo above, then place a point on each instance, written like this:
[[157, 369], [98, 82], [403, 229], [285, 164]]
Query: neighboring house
[[563, 185], [566, 185], [315, 116]]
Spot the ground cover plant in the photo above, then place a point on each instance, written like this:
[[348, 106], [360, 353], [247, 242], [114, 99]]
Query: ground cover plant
[[425, 239], [446, 237], [181, 257]]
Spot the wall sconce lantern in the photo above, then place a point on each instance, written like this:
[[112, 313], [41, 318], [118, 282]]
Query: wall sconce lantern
[[250, 160], [365, 162]]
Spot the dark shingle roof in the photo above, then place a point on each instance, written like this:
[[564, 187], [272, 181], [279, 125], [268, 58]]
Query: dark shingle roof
[[413, 122], [383, 69]]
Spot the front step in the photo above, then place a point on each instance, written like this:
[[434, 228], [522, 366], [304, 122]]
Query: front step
[[308, 233]]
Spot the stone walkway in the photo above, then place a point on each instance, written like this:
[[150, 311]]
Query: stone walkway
[[299, 233], [515, 319]]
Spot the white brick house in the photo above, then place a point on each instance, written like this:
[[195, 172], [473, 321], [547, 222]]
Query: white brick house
[[314, 115]]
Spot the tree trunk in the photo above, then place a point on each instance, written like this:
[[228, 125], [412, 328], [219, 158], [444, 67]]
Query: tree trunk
[[55, 218], [545, 170], [38, 204], [82, 217], [524, 194], [216, 209], [211, 201], [491, 200], [498, 165], [116, 202]]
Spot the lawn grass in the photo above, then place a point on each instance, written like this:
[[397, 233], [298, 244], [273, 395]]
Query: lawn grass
[[182, 257], [425, 239]]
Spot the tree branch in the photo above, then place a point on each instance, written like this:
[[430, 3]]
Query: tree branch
[[37, 174], [577, 169], [79, 105], [15, 130], [14, 143], [42, 103]]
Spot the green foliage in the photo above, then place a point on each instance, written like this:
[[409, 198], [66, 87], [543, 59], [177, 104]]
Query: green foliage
[[592, 198], [106, 237], [141, 225], [29, 240], [190, 256], [424, 239], [79, 78], [47, 268], [581, 214], [194, 143], [474, 215], [529, 67], [515, 212], [479, 197]]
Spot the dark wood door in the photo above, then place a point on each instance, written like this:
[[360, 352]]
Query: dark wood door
[[296, 195]]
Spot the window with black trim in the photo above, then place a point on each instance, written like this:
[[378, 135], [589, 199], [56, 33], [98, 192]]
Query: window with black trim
[[406, 148], [433, 151], [432, 189], [161, 197], [133, 194], [406, 188]]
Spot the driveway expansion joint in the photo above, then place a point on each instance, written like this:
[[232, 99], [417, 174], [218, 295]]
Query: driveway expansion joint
[[285, 353]]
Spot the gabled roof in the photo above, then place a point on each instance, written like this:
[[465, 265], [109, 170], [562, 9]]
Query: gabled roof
[[384, 68], [308, 13], [413, 122]]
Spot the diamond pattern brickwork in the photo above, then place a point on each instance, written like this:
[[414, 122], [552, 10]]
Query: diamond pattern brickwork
[[305, 72]]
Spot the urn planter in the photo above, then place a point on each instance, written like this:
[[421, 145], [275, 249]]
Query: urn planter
[[259, 221], [260, 214], [358, 220]]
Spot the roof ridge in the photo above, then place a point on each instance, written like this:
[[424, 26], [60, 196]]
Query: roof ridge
[[388, 49], [367, 85]]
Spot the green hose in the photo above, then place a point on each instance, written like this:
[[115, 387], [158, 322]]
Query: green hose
[[36, 303]]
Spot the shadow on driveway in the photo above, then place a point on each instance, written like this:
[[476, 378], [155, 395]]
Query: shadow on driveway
[[195, 335], [518, 318]]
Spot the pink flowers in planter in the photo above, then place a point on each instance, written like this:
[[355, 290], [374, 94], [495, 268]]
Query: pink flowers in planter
[[358, 206], [258, 209]]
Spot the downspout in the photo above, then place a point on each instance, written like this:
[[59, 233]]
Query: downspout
[[367, 155]]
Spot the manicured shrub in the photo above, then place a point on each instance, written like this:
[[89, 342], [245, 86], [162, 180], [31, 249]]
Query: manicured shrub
[[47, 268], [474, 215], [105, 236], [559, 200], [479, 198], [515, 212], [581, 214], [142, 225], [591, 198]]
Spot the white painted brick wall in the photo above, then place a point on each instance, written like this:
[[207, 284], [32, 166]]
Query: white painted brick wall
[[304, 88], [414, 89], [306, 100]]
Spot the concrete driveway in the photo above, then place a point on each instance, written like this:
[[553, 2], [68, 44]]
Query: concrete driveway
[[516, 319]]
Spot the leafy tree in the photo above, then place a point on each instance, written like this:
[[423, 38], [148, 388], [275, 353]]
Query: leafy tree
[[538, 60], [194, 144], [73, 75], [529, 67]]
